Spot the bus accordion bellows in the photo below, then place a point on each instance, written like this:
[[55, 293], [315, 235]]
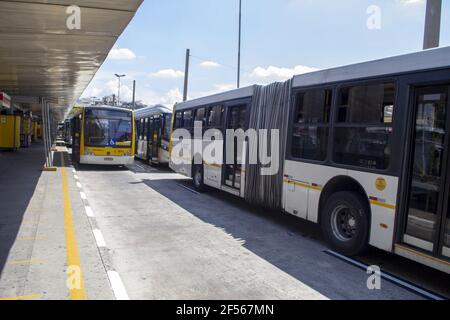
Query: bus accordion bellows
[[103, 135], [363, 151], [153, 134]]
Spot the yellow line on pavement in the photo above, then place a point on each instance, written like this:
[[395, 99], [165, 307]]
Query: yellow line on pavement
[[73, 257], [28, 297]]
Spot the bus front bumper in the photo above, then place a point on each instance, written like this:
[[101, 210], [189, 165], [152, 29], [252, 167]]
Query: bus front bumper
[[107, 160]]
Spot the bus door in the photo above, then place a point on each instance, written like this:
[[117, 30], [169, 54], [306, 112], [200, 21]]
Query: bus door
[[142, 145], [236, 119], [136, 136], [151, 128], [155, 138], [76, 138], [427, 225]]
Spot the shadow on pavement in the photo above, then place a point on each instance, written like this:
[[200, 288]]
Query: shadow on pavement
[[293, 245], [19, 175]]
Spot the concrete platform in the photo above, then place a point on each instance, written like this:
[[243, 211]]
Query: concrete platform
[[33, 231]]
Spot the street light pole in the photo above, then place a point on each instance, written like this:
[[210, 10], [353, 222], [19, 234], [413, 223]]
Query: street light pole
[[186, 75], [432, 24], [119, 76], [134, 95], [239, 46]]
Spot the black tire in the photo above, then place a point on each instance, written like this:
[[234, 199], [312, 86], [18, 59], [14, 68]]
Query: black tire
[[197, 178], [346, 223]]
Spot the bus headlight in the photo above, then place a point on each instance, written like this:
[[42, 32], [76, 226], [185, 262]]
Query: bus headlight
[[88, 153], [127, 154]]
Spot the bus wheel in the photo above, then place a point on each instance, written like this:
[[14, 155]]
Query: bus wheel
[[346, 223], [197, 177]]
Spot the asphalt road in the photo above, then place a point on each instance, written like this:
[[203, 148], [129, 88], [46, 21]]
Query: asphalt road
[[168, 242]]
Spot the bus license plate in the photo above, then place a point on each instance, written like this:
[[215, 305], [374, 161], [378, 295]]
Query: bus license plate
[[108, 159]]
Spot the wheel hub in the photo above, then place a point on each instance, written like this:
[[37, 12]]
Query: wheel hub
[[344, 223]]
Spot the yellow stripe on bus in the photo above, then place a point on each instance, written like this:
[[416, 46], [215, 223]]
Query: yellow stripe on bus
[[303, 185], [381, 204], [213, 165]]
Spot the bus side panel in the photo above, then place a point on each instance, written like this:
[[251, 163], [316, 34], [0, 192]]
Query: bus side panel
[[213, 171], [142, 149], [382, 192], [304, 183], [213, 175], [164, 156], [181, 159], [82, 134]]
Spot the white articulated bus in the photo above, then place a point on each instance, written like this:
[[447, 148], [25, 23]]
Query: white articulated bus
[[153, 134], [365, 152]]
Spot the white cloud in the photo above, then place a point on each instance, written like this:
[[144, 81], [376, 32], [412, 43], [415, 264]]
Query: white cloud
[[273, 74], [224, 86], [410, 2], [167, 74], [121, 54], [171, 97], [147, 96], [167, 99], [209, 64], [216, 88]]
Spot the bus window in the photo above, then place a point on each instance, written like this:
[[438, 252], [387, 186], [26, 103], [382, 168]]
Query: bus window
[[200, 115], [151, 127], [364, 126], [178, 120], [215, 117], [146, 124], [166, 127], [311, 125], [187, 119], [141, 130]]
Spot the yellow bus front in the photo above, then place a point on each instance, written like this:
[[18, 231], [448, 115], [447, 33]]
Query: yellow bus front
[[107, 136]]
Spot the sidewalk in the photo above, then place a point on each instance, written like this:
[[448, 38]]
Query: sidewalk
[[43, 229]]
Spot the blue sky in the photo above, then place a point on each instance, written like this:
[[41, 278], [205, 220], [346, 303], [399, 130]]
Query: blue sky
[[280, 38]]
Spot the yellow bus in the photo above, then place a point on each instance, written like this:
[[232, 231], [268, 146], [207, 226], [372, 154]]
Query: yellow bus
[[103, 135]]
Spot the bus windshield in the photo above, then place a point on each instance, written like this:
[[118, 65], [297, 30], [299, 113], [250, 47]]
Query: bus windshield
[[107, 128]]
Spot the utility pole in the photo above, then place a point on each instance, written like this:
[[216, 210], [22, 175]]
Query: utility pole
[[119, 76], [134, 95], [239, 46], [186, 74], [432, 24]]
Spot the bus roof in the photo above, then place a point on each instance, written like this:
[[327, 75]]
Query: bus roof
[[220, 97], [419, 61], [104, 107], [150, 111]]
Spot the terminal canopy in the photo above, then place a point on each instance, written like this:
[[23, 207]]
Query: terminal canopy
[[53, 48]]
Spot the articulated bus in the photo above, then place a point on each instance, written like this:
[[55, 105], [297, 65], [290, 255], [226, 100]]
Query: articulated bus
[[103, 135], [366, 153], [153, 134]]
